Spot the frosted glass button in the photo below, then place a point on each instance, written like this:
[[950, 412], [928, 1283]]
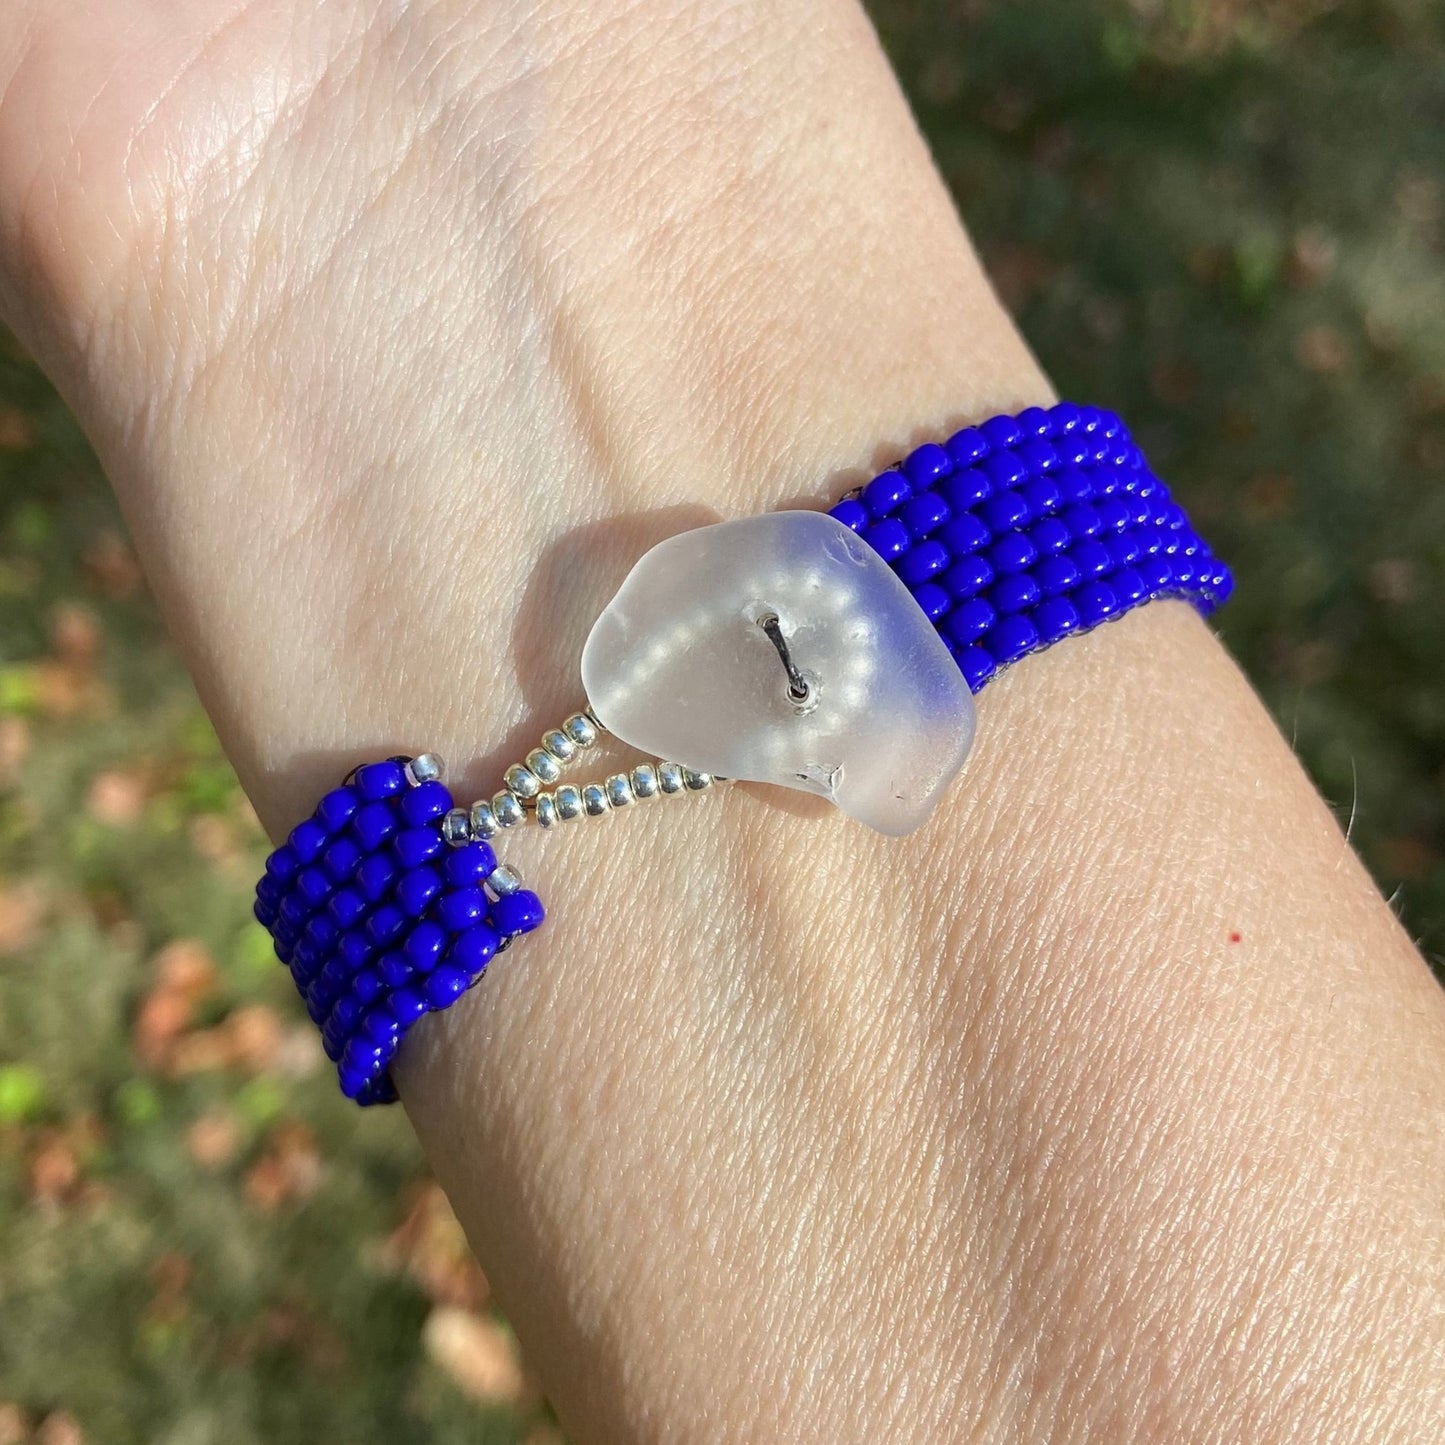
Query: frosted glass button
[[690, 661]]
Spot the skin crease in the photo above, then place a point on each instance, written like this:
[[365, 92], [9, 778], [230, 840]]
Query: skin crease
[[402, 330]]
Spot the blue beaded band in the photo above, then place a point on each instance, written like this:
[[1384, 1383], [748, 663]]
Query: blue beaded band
[[380, 921], [1014, 534]]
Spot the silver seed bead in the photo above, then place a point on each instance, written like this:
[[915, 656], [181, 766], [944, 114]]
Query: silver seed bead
[[546, 810], [484, 825], [560, 745], [425, 768], [569, 802], [644, 781], [541, 763], [594, 800], [522, 781], [457, 827], [581, 729], [619, 790], [669, 778], [504, 880], [507, 809], [696, 782]]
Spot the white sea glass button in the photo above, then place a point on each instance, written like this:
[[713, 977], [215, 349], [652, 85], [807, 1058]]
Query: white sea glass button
[[783, 649]]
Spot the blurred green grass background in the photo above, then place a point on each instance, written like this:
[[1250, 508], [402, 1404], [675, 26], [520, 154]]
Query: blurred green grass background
[[1224, 219]]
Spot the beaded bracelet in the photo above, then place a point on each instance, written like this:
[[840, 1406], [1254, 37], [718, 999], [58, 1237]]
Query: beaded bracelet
[[835, 653]]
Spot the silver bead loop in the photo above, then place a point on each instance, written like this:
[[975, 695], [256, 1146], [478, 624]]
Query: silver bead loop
[[559, 745], [425, 768], [507, 809], [484, 825], [581, 727], [546, 768], [644, 781], [569, 802], [545, 810], [594, 800], [522, 781], [669, 778], [696, 782], [619, 790], [457, 827]]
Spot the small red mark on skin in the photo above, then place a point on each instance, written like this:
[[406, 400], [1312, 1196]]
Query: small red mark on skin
[[1235, 937]]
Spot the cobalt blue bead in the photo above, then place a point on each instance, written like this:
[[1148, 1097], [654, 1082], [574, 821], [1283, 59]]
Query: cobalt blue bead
[[407, 1006], [920, 563], [293, 911], [1001, 432], [933, 600], [424, 945], [414, 846], [851, 513], [312, 886], [924, 513], [967, 577], [926, 464], [425, 803], [461, 908], [354, 950], [1049, 535], [1124, 548], [1095, 601], [1011, 638], [367, 986], [518, 912], [964, 534], [1016, 593], [473, 950], [966, 488], [1090, 557], [265, 913], [446, 986], [886, 492], [1074, 450], [966, 447], [1034, 422], [968, 621], [360, 1060], [375, 781], [283, 864], [1038, 457], [1082, 520], [1003, 511], [1111, 424], [336, 808], [378, 1026], [1186, 569], [1063, 418], [889, 538], [270, 890], [347, 907], [285, 932], [1128, 585], [976, 665], [1005, 470], [340, 859], [385, 924], [1156, 572], [394, 969], [307, 840], [373, 825], [322, 932], [471, 864], [1055, 617], [415, 890], [1012, 553], [306, 960], [1138, 506], [375, 877], [1042, 495]]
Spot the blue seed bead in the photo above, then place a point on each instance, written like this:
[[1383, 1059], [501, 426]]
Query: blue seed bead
[[322, 933], [469, 865], [976, 665], [933, 600], [265, 913], [964, 534], [889, 538], [1038, 457], [347, 907], [1014, 594], [270, 890], [1128, 585], [967, 577], [966, 447], [1222, 585], [1035, 423], [1095, 601], [424, 946], [1005, 469], [851, 513], [378, 1026], [460, 909], [1186, 571], [307, 840], [406, 1007], [415, 890], [367, 985], [394, 969], [1138, 505], [1012, 553], [968, 622], [1156, 572], [1074, 450], [375, 877], [385, 924], [285, 932], [293, 911], [1054, 618], [924, 513], [414, 846], [283, 864], [926, 464], [1003, 511], [472, 951], [336, 808], [1082, 520], [1090, 557], [1174, 518], [1001, 432], [1124, 548], [966, 488], [339, 1025], [446, 986], [1042, 495], [518, 912], [885, 493], [425, 803], [360, 1060], [1011, 638], [340, 859], [373, 825], [306, 960], [312, 886], [354, 950], [375, 781], [1049, 535], [920, 563]]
